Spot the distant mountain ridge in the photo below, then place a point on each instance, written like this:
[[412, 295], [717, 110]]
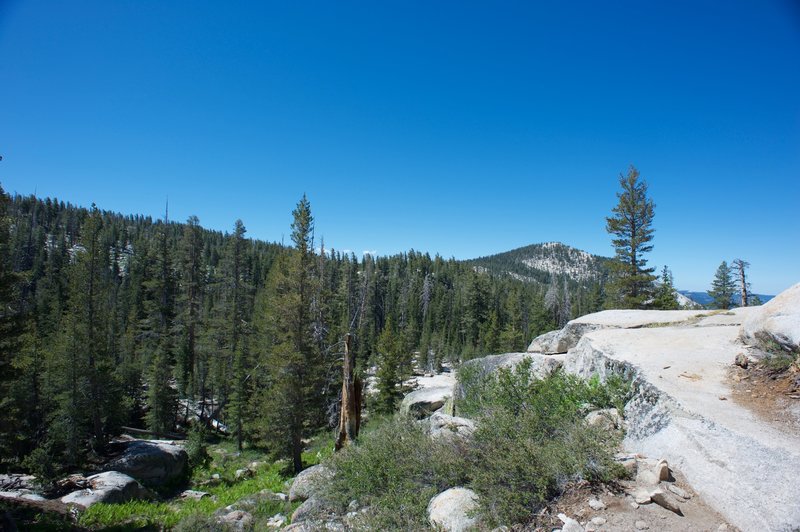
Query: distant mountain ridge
[[704, 299], [541, 262]]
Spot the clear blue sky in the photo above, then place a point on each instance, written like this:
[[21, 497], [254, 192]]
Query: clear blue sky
[[461, 128]]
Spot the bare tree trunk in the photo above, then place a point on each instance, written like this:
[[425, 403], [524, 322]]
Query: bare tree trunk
[[350, 408], [741, 266]]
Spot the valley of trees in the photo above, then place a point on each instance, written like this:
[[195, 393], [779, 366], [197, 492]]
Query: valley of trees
[[112, 321]]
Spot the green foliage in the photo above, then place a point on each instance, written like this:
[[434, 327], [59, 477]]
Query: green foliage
[[160, 515], [723, 287], [665, 297], [531, 438], [395, 469], [631, 282], [197, 448]]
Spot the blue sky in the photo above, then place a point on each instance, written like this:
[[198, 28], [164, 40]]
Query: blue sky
[[461, 128]]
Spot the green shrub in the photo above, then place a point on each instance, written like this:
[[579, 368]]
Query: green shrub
[[197, 448], [531, 439], [395, 469]]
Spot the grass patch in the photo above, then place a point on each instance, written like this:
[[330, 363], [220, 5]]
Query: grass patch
[[158, 514]]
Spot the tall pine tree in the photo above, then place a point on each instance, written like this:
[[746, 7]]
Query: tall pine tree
[[631, 284]]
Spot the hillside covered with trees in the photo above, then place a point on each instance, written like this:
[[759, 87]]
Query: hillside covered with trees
[[112, 320]]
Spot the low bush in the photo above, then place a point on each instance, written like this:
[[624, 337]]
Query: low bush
[[395, 469]]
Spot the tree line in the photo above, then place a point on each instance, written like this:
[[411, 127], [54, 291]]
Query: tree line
[[109, 321]]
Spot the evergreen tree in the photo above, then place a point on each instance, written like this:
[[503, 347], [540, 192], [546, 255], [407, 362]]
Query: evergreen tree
[[390, 369], [666, 295], [10, 336], [631, 284], [723, 287], [290, 407]]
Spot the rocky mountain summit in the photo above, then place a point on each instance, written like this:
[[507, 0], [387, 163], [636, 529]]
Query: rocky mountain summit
[[539, 262]]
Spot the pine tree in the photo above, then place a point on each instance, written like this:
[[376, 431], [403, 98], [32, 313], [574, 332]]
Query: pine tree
[[631, 285], [291, 406], [723, 287], [10, 335], [389, 373], [665, 295]]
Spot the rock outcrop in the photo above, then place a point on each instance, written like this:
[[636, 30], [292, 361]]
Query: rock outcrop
[[738, 461], [108, 487], [152, 462], [451, 510], [776, 322], [561, 341]]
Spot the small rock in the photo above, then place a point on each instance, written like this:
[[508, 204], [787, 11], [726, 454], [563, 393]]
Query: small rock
[[242, 474], [570, 525], [722, 527], [452, 510], [215, 476], [597, 504], [661, 471], [741, 360], [194, 494], [607, 419], [237, 519], [641, 497], [683, 494], [276, 521], [634, 505], [660, 498], [647, 478], [598, 521], [641, 525]]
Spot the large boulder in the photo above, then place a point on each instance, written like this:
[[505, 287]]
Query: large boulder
[[152, 462], [776, 322], [308, 482], [452, 510], [108, 487], [425, 401]]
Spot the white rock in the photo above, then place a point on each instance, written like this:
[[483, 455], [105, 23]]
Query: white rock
[[108, 487], [451, 510], [641, 525], [679, 373], [646, 477], [444, 426], [661, 471], [237, 520], [662, 499], [570, 525], [598, 521], [425, 401], [596, 504], [678, 491], [276, 521], [606, 419], [194, 494], [778, 321], [641, 497], [308, 482]]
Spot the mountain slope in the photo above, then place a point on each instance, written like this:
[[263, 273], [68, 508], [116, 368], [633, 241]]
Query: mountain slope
[[541, 262]]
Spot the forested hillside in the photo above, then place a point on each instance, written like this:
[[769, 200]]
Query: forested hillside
[[112, 320]]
